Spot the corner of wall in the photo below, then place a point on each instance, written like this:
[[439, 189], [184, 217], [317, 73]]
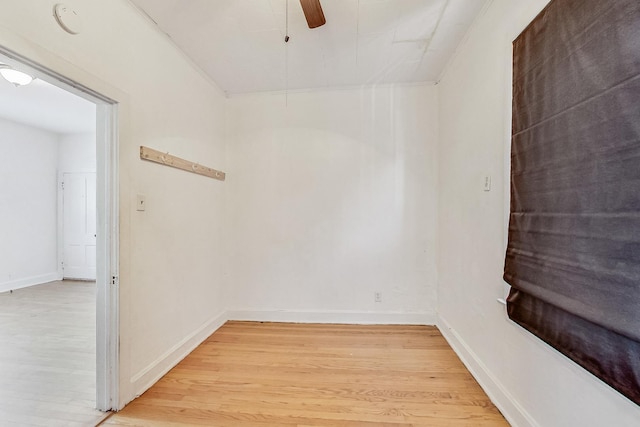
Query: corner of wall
[[154, 371], [510, 408], [29, 281]]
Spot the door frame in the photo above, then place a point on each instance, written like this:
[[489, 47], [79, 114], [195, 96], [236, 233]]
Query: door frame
[[107, 224]]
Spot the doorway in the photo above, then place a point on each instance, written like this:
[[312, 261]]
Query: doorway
[[92, 250], [78, 232]]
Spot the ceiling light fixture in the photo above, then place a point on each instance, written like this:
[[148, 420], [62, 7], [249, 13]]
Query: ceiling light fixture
[[15, 77]]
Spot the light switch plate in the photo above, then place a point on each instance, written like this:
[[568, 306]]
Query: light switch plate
[[487, 183], [141, 203]]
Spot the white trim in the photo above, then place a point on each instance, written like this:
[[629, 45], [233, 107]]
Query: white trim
[[149, 375], [60, 226], [506, 172], [29, 281], [515, 414], [107, 257], [330, 316]]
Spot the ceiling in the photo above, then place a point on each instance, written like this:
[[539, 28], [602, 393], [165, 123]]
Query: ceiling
[[240, 43], [47, 107]]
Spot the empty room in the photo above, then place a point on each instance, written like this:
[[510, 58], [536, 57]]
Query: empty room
[[351, 212], [47, 288]]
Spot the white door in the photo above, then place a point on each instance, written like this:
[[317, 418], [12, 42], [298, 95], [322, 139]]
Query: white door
[[79, 226]]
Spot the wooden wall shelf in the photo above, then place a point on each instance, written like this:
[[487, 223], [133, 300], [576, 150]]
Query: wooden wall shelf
[[167, 159]]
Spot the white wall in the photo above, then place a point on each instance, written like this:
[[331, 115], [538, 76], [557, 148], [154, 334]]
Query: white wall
[[333, 197], [533, 384], [77, 152], [34, 157], [172, 257], [28, 252]]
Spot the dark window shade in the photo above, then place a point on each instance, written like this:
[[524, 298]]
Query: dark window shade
[[573, 257]]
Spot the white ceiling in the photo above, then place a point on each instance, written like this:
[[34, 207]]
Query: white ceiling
[[240, 43], [45, 106]]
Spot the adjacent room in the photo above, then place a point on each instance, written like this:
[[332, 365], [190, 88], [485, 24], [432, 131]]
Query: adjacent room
[[48, 270], [328, 213]]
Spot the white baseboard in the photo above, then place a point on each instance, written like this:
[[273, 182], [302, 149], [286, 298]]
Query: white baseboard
[[29, 281], [515, 414], [148, 376], [349, 317]]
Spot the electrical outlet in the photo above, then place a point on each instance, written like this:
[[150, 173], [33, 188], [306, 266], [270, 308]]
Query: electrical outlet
[[377, 296]]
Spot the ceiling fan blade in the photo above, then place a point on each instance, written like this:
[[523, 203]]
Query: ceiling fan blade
[[313, 12]]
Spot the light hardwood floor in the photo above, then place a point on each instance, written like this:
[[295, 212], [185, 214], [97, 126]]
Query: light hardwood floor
[[274, 374], [47, 355]]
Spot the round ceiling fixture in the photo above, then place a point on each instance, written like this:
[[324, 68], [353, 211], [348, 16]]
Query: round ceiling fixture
[[67, 18], [15, 77]]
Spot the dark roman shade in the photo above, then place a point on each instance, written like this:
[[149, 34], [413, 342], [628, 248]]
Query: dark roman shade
[[573, 257]]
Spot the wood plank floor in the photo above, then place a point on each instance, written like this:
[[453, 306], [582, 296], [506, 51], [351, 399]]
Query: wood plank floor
[[47, 355], [274, 374]]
